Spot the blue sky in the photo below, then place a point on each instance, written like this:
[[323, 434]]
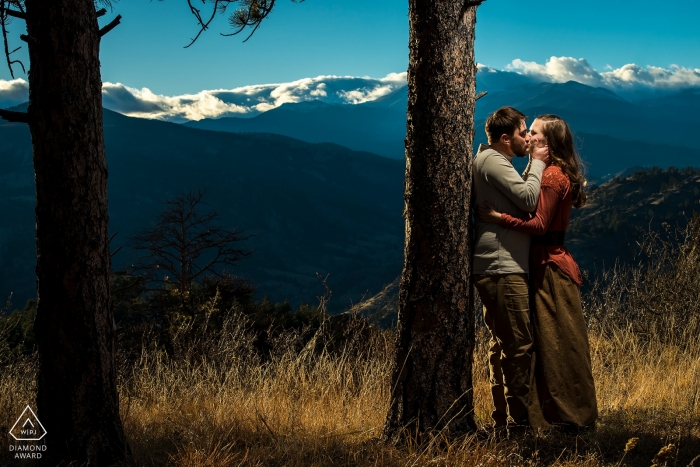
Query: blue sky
[[363, 37], [605, 32], [145, 66]]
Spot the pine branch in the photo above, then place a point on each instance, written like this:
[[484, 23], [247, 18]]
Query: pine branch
[[203, 26], [28, 39], [113, 24], [14, 117], [250, 15], [13, 13], [4, 12]]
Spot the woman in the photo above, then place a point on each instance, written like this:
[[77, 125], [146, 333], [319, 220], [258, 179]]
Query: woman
[[562, 389]]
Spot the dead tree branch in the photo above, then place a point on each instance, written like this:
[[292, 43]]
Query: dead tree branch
[[14, 117], [4, 14], [27, 39], [13, 13], [17, 13], [203, 26], [113, 24]]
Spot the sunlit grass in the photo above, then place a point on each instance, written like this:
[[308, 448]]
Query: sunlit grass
[[217, 402], [306, 406]]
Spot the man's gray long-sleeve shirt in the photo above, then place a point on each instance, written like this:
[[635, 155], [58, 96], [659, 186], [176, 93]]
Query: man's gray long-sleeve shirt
[[498, 250]]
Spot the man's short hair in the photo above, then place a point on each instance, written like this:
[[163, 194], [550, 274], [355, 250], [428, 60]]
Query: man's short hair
[[504, 121]]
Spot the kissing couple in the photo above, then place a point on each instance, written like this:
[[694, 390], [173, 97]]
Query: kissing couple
[[528, 281]]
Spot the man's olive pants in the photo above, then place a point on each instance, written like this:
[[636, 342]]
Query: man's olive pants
[[507, 315]]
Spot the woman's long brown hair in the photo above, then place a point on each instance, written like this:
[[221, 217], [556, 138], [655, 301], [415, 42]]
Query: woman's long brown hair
[[563, 154]]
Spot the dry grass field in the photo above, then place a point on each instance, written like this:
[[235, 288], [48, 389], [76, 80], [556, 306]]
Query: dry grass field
[[302, 408], [216, 403]]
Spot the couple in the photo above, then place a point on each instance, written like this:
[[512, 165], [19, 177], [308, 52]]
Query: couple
[[549, 383]]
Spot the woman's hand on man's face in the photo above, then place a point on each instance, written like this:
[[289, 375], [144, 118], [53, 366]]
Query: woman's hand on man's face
[[540, 153]]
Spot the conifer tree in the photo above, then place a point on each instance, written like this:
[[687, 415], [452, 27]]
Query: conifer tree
[[431, 381], [77, 396]]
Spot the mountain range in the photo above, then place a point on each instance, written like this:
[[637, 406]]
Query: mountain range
[[311, 208], [612, 133], [316, 206]]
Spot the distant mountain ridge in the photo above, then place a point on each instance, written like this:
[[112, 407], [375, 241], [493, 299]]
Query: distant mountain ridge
[[614, 132], [364, 127], [320, 207], [619, 211], [312, 208]]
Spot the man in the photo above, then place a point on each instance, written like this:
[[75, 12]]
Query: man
[[501, 262]]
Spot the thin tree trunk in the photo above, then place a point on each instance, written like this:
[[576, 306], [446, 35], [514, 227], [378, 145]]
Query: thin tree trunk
[[77, 396], [432, 380]]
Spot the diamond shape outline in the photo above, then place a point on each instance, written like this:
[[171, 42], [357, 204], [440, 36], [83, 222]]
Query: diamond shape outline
[[20, 419]]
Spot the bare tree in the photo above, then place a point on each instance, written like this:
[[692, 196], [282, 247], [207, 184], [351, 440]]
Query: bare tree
[[431, 381], [77, 396], [186, 243]]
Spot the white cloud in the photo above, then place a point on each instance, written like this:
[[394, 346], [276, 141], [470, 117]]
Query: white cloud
[[674, 77], [397, 79], [626, 78], [320, 91], [144, 103], [247, 100], [359, 96], [13, 92], [375, 88], [559, 70]]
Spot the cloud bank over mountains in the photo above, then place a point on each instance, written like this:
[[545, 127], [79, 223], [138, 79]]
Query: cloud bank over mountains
[[13, 92], [247, 101], [629, 77], [630, 81]]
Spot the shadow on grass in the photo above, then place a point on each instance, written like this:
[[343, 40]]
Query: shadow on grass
[[655, 430], [607, 444], [260, 446]]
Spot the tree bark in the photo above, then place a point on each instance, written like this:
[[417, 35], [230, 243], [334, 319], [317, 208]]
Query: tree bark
[[432, 380], [77, 396]]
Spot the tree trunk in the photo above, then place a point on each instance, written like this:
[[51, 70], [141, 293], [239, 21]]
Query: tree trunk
[[432, 380], [77, 396]]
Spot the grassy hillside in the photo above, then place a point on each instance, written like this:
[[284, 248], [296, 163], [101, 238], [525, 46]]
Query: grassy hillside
[[216, 402], [620, 211]]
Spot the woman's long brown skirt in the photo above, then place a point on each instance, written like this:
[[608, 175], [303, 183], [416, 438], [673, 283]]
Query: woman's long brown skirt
[[561, 386]]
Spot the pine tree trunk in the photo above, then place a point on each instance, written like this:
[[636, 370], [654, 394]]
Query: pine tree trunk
[[77, 396], [432, 380]]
